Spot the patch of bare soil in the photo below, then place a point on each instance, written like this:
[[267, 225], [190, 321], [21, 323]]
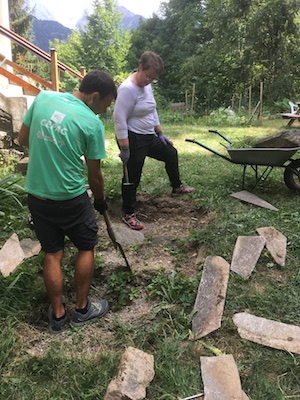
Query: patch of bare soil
[[164, 240], [163, 243]]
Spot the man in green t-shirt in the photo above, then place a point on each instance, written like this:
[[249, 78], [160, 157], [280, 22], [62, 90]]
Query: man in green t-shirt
[[61, 130]]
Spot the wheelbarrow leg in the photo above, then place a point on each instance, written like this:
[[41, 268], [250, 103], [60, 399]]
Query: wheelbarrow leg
[[244, 173]]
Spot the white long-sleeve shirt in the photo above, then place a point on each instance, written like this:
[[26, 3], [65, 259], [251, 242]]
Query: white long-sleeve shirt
[[135, 110]]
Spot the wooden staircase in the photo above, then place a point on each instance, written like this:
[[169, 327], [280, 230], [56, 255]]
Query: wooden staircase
[[23, 85], [51, 58]]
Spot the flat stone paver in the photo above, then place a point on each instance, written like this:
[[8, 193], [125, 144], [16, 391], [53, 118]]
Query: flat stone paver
[[11, 255], [30, 247], [135, 372], [210, 300], [275, 243], [246, 253], [267, 332], [251, 198], [127, 236], [221, 378]]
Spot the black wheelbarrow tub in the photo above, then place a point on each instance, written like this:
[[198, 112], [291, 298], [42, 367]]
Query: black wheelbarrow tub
[[274, 157]]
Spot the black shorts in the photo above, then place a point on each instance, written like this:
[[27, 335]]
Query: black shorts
[[54, 220]]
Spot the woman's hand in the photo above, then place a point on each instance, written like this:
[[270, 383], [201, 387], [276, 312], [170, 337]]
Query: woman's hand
[[164, 139]]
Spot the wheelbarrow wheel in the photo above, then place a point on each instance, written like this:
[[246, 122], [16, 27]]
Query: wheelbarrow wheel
[[292, 176]]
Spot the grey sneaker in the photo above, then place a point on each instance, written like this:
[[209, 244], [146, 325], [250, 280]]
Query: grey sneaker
[[55, 326], [96, 309]]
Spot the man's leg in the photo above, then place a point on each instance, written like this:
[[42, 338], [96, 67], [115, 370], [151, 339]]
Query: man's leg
[[53, 280], [85, 309], [84, 270]]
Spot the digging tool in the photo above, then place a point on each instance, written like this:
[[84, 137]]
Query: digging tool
[[128, 189], [126, 183], [112, 236]]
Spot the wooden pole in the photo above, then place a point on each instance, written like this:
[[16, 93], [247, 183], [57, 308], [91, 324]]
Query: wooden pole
[[82, 71], [54, 70], [232, 102], [254, 111], [240, 102], [260, 99], [186, 102], [5, 43], [193, 97], [250, 100]]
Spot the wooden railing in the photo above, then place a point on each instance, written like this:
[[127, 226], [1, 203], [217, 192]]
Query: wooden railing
[[55, 65]]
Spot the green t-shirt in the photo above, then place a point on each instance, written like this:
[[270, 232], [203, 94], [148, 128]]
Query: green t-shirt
[[62, 130]]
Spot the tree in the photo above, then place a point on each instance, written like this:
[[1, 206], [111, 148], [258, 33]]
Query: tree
[[20, 22], [102, 44], [273, 43], [223, 46]]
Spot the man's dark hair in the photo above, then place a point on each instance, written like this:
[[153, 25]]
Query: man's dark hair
[[98, 81]]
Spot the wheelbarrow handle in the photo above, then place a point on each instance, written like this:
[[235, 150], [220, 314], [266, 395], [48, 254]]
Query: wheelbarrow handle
[[209, 149], [220, 134]]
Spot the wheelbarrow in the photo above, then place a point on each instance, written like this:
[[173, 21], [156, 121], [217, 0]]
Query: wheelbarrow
[[268, 158]]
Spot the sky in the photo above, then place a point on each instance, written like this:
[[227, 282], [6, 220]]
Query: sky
[[144, 8], [68, 12]]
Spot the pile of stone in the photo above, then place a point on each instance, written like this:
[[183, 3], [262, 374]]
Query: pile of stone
[[219, 373]]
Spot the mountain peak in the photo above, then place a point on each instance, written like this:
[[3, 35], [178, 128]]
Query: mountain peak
[[41, 12], [45, 11]]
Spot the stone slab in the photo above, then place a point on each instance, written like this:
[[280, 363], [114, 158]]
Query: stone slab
[[221, 378], [30, 247], [275, 243], [135, 372], [210, 300], [251, 198], [11, 255], [288, 138], [246, 253], [22, 165], [127, 236], [267, 332]]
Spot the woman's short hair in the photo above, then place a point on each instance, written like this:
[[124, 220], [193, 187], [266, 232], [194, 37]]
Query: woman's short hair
[[149, 59]]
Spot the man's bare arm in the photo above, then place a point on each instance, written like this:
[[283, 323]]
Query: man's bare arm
[[23, 137]]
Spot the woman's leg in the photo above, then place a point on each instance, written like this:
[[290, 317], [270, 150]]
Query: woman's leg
[[168, 154], [138, 150]]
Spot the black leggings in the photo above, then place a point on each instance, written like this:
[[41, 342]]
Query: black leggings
[[140, 147]]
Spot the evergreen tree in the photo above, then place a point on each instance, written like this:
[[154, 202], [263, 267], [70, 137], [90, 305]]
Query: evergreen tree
[[223, 47], [101, 44], [21, 23]]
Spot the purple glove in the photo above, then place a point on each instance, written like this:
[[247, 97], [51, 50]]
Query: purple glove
[[124, 154], [164, 139]]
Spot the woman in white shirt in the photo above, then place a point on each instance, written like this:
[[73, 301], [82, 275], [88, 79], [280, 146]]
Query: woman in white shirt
[[139, 134]]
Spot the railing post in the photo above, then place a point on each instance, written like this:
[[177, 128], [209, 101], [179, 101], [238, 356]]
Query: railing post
[[82, 71], [54, 71], [5, 44]]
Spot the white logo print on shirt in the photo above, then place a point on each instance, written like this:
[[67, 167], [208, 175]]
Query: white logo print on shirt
[[57, 117]]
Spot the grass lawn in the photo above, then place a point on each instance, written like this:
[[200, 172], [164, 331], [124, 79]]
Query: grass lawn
[[80, 364]]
